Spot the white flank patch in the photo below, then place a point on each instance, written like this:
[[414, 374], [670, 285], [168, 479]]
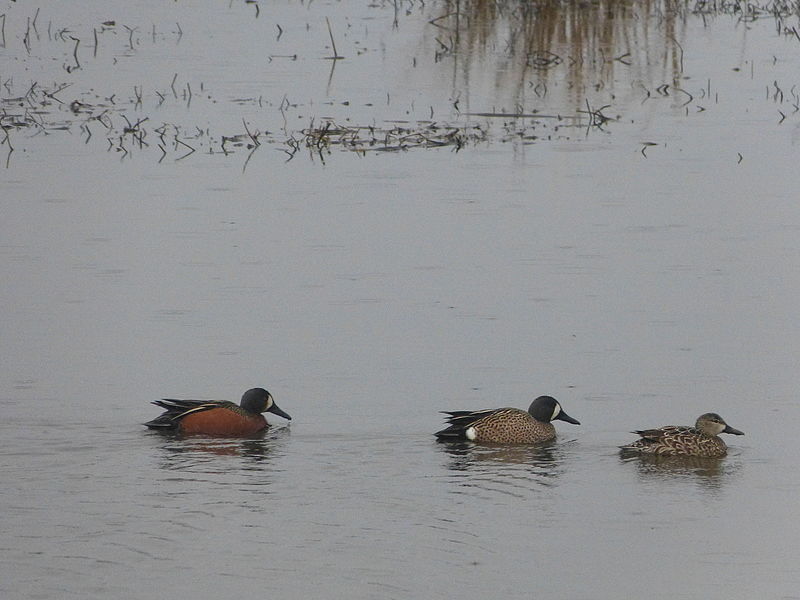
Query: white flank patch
[[470, 433], [556, 410]]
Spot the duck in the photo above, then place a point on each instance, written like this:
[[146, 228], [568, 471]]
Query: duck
[[702, 440], [217, 417], [506, 425]]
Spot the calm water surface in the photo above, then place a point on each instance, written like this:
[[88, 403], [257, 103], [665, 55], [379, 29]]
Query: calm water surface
[[643, 270]]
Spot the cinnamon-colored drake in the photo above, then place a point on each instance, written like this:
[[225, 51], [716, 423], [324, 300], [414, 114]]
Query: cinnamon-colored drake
[[217, 417]]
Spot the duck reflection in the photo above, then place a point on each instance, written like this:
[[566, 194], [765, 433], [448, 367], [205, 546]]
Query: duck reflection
[[711, 473], [509, 468], [201, 453]]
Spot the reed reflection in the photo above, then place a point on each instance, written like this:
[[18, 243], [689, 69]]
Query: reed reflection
[[581, 48]]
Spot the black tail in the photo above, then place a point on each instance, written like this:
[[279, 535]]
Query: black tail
[[460, 421], [162, 422], [452, 433]]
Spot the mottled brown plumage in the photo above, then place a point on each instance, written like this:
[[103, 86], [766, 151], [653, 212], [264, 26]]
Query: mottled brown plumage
[[506, 425], [702, 440]]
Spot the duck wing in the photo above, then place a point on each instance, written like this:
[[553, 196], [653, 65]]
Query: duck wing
[[175, 410], [660, 433]]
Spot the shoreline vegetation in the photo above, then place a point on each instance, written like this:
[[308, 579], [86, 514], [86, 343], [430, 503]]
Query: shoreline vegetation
[[532, 47]]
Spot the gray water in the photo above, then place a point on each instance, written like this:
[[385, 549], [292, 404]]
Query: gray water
[[643, 270]]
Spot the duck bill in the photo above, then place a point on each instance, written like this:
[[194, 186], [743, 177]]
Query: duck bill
[[277, 411], [565, 417], [729, 429]]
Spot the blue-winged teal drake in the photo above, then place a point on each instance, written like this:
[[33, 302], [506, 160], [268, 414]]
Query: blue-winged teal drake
[[677, 440], [506, 425], [217, 417]]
